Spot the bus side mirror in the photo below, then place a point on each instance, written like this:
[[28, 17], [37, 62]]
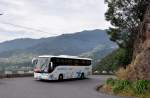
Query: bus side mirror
[[34, 61], [51, 65]]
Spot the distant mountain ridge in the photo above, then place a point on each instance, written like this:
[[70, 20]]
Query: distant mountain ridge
[[69, 44]]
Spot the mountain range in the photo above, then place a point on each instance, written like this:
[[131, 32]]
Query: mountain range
[[86, 43]]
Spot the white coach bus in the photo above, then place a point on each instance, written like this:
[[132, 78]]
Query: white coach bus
[[48, 67]]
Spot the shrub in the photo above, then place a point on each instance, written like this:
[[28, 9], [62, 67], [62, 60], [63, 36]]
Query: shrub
[[110, 81], [128, 88], [121, 85], [148, 86], [141, 86], [121, 73]]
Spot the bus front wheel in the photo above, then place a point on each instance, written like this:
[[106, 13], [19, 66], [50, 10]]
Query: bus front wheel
[[82, 76], [60, 77]]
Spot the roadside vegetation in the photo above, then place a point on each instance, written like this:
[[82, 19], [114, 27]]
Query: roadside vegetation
[[112, 62], [138, 88], [131, 62]]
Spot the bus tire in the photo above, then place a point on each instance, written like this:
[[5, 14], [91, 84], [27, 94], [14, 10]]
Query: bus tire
[[82, 76], [60, 77]]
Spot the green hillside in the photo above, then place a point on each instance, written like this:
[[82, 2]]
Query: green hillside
[[19, 52]]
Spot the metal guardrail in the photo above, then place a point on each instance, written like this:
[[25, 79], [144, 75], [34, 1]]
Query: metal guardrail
[[15, 75]]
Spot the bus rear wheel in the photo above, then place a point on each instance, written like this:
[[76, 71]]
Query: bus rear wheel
[[60, 77], [82, 76]]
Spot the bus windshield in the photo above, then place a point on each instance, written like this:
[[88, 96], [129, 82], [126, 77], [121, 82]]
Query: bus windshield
[[42, 64]]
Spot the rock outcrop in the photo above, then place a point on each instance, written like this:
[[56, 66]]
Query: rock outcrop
[[140, 66]]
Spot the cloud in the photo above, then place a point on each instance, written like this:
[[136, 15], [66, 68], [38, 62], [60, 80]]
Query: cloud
[[43, 18]]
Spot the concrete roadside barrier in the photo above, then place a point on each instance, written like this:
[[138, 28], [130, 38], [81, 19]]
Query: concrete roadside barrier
[[15, 75]]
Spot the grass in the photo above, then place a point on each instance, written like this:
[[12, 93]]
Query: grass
[[139, 88]]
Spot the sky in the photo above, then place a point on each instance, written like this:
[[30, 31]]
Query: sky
[[45, 18]]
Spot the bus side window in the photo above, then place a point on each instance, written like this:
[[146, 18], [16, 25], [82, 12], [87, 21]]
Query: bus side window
[[57, 60], [69, 61], [61, 61], [80, 63], [76, 61], [88, 62], [65, 61], [83, 62]]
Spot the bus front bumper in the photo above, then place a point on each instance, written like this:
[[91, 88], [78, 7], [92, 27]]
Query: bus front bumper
[[44, 76]]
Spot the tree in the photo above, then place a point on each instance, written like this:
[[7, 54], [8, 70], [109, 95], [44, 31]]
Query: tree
[[125, 16], [113, 61]]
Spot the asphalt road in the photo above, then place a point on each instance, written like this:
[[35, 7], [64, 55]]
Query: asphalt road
[[30, 88]]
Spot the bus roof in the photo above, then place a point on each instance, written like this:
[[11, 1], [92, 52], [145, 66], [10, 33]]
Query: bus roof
[[64, 56]]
